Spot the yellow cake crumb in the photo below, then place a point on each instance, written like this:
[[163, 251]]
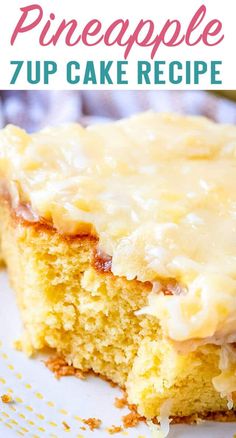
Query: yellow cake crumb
[[114, 429], [60, 368], [17, 344], [120, 403], [6, 398], [92, 423], [131, 419]]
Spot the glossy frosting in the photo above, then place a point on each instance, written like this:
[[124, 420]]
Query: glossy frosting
[[160, 193]]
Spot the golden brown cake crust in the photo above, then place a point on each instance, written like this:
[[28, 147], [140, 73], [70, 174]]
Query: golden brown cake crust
[[100, 262]]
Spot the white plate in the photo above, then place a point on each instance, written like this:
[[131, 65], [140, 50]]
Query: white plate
[[42, 403]]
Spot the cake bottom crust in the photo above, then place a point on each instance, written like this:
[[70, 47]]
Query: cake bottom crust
[[88, 316], [59, 366]]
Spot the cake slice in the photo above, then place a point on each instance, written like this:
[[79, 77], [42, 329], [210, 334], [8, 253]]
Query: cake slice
[[120, 244]]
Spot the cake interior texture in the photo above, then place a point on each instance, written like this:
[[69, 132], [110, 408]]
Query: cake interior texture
[[89, 317], [72, 300]]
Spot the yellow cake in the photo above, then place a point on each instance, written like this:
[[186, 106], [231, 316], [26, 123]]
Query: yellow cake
[[120, 244]]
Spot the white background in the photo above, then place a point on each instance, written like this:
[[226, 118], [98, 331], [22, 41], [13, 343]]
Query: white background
[[27, 47]]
